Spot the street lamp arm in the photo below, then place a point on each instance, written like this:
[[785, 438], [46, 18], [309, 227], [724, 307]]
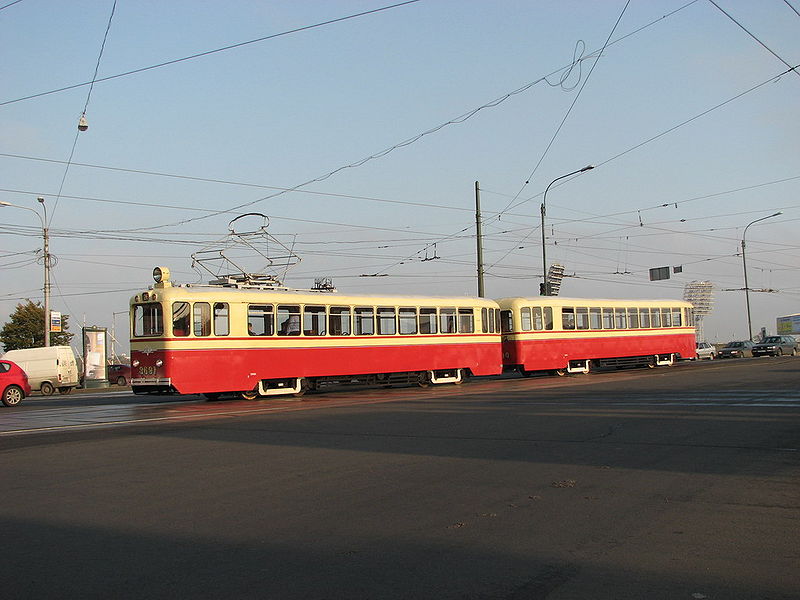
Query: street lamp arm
[[36, 212], [756, 221], [545, 286], [744, 268]]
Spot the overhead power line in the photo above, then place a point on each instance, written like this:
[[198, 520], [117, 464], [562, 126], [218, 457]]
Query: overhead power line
[[207, 53], [748, 32]]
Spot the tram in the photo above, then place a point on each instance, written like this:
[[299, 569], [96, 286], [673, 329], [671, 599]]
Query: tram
[[573, 335], [257, 341]]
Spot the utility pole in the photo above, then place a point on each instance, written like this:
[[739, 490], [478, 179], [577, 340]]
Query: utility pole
[[46, 257], [479, 238], [46, 274]]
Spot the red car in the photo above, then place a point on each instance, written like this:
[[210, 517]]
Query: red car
[[119, 374], [13, 383]]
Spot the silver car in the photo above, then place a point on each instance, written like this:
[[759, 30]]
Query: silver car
[[706, 350]]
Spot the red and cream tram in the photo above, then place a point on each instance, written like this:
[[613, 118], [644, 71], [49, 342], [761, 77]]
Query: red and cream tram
[[571, 335], [257, 342]]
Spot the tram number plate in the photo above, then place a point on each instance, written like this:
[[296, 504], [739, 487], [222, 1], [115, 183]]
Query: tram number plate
[[147, 370]]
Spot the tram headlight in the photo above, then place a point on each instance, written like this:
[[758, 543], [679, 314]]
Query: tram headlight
[[160, 274], [159, 363], [135, 363]]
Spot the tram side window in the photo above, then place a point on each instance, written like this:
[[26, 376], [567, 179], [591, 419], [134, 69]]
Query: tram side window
[[538, 323], [676, 317], [525, 318], [666, 318], [180, 319], [581, 318], [314, 320], [506, 321], [466, 320], [447, 320], [221, 322], [339, 320], [260, 319], [548, 318], [288, 319], [595, 318], [633, 318], [620, 322], [201, 312], [427, 320], [387, 320], [608, 318], [568, 318], [497, 327], [644, 318], [365, 321], [407, 321], [655, 317], [147, 321], [485, 320], [490, 320]]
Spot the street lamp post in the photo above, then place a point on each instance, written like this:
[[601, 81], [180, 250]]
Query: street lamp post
[[46, 289], [545, 284], [744, 267]]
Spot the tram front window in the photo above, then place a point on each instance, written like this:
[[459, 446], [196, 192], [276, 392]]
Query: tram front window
[[180, 319], [147, 320]]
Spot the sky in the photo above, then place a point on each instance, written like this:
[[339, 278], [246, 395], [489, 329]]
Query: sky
[[359, 130]]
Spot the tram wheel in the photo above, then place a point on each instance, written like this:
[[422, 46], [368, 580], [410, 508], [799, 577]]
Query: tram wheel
[[424, 379], [249, 395], [560, 372], [304, 387]]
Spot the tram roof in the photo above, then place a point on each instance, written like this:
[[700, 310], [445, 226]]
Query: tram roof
[[304, 296], [570, 301]]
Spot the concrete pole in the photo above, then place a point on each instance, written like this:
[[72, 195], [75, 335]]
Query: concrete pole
[[479, 237]]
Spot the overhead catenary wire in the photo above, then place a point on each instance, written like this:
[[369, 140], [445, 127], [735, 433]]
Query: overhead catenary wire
[[460, 119], [762, 44], [83, 115], [207, 53]]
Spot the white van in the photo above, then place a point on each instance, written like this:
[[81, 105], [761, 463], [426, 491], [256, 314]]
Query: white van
[[48, 369]]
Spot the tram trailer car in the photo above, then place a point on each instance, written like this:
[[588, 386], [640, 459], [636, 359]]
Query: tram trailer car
[[573, 335], [217, 340]]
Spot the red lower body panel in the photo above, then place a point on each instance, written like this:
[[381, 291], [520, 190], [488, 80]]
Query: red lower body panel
[[240, 369], [547, 354]]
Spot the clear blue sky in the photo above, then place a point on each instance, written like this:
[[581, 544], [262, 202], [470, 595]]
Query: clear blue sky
[[291, 109]]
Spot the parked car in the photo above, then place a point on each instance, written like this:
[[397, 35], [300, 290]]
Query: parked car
[[119, 374], [776, 345], [737, 349], [706, 350], [13, 383]]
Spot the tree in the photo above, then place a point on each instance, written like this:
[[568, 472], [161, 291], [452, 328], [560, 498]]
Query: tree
[[25, 329]]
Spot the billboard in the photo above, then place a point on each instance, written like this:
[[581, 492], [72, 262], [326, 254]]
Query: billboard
[[94, 356], [789, 325]]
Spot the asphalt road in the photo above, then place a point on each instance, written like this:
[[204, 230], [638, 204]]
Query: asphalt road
[[679, 482]]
